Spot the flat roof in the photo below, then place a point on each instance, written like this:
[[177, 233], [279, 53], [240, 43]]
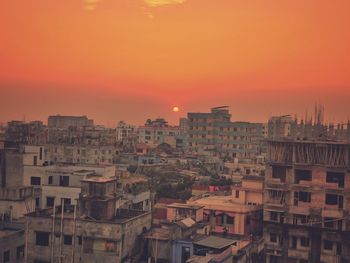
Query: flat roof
[[188, 206], [97, 179], [215, 242]]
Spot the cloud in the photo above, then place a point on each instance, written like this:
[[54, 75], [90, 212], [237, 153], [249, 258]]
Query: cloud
[[155, 3], [90, 5]]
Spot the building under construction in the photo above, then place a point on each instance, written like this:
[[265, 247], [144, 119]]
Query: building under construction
[[307, 202]]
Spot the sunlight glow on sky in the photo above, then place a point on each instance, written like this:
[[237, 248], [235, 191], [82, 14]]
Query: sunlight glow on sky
[[135, 59]]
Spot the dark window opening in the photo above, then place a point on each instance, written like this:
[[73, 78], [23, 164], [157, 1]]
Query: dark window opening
[[337, 178], [274, 216], [50, 201], [230, 220], [273, 237], [20, 252], [42, 239], [302, 175], [329, 222], [302, 197], [6, 257], [294, 243], [80, 240], [339, 249], [64, 180], [67, 240], [327, 245], [41, 153], [35, 160], [332, 199], [279, 172], [35, 180], [50, 180], [237, 194], [304, 241]]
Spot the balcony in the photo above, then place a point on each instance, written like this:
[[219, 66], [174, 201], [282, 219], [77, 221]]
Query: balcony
[[273, 249], [332, 212], [16, 194], [330, 258], [298, 254]]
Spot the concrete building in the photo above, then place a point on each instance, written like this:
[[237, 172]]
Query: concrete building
[[16, 199], [124, 131], [81, 154], [20, 132], [228, 217], [11, 243], [213, 133], [64, 122], [95, 231], [156, 132], [280, 127], [307, 202]]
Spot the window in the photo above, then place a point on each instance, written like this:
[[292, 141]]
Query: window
[[229, 220], [293, 242], [185, 254], [64, 180], [339, 249], [42, 239], [279, 172], [35, 160], [305, 196], [6, 257], [50, 201], [337, 178], [273, 238], [327, 245], [332, 199], [67, 239], [20, 252], [329, 222], [50, 179], [80, 240], [302, 175], [237, 193], [41, 153], [35, 180], [274, 216], [304, 241]]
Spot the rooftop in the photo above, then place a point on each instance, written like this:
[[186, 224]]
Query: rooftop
[[187, 206], [215, 242], [224, 203]]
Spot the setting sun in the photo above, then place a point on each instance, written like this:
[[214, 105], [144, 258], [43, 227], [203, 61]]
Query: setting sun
[[175, 109]]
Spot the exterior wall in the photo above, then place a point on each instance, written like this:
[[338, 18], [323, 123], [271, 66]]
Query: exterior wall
[[215, 131], [68, 121], [58, 153], [122, 235], [305, 216], [155, 135], [59, 192], [12, 241]]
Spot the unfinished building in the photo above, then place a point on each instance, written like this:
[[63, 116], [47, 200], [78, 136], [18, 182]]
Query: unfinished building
[[96, 230], [307, 202]]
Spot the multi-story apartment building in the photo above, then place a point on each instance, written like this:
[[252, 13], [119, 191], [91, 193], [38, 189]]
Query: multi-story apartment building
[[81, 154], [124, 131], [214, 133], [20, 132], [157, 132], [96, 230], [58, 121], [307, 202], [280, 127]]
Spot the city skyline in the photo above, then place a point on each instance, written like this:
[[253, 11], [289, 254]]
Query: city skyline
[[113, 59]]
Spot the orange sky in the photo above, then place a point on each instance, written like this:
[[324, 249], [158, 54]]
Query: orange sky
[[132, 60]]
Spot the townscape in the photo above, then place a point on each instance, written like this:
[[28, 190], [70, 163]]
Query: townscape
[[209, 189]]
